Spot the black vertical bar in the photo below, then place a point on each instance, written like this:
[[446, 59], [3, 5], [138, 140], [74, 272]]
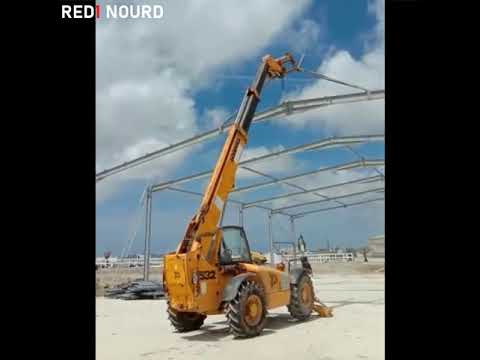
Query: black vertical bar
[[148, 219], [250, 101], [64, 209]]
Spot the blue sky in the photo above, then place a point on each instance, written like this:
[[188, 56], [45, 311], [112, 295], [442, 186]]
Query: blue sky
[[343, 37]]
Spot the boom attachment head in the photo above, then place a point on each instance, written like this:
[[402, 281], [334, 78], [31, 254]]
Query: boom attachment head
[[276, 68]]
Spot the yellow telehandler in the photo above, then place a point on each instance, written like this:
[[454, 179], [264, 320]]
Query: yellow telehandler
[[212, 270]]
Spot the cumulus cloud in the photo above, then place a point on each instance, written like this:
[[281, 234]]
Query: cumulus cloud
[[215, 117], [147, 71], [270, 166], [306, 36], [368, 71]]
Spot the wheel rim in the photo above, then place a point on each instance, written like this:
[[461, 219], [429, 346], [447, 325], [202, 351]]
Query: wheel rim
[[306, 295], [253, 310]]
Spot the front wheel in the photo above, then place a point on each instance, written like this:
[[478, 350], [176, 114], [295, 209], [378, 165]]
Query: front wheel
[[246, 313], [301, 298]]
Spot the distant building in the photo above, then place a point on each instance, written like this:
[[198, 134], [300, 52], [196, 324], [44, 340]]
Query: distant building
[[376, 246], [102, 262]]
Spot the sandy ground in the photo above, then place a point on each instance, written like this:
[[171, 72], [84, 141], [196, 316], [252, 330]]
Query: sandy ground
[[129, 330]]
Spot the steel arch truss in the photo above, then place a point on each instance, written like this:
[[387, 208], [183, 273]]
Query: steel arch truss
[[316, 195]]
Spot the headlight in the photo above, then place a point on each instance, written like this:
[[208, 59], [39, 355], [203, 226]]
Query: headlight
[[195, 278]]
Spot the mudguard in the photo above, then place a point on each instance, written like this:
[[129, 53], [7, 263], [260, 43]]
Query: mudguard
[[230, 291], [296, 274]]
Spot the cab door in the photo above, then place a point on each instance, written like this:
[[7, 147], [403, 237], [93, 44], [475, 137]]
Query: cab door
[[234, 246]]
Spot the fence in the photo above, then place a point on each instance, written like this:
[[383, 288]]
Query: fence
[[128, 262], [158, 261], [324, 258]]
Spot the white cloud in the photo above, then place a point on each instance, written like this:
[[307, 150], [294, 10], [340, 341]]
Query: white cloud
[[367, 71], [305, 37], [272, 166], [147, 71], [215, 117], [377, 8]]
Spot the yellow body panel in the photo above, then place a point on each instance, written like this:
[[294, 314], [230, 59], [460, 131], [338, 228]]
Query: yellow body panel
[[278, 299], [275, 283], [206, 297], [183, 295], [175, 278]]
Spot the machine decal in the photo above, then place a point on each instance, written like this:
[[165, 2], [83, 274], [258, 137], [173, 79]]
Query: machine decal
[[203, 287], [211, 249], [206, 275], [235, 148], [273, 280], [219, 203], [239, 153]]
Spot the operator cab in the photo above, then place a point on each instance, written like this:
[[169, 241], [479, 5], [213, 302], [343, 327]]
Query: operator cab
[[234, 247]]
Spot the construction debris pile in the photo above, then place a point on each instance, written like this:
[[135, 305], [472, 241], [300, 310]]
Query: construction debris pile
[[137, 290]]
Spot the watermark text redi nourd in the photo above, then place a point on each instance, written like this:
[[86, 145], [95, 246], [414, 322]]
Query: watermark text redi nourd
[[112, 11]]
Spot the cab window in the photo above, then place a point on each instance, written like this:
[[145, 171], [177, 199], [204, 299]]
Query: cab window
[[234, 247]]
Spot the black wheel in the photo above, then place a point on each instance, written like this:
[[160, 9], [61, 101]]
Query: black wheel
[[246, 313], [302, 298], [185, 321]]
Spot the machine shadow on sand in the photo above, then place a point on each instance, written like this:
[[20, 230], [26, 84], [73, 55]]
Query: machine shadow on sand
[[274, 323]]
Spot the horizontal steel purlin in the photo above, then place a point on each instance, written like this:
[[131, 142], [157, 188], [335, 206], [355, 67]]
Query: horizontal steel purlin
[[296, 216], [229, 200], [320, 144], [341, 167], [289, 184], [293, 106], [286, 108], [283, 196], [277, 210]]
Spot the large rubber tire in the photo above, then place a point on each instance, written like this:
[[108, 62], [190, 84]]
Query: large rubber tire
[[242, 320], [302, 298], [185, 321]]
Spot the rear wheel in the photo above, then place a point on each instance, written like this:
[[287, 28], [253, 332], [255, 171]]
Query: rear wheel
[[185, 321], [246, 313], [302, 298]]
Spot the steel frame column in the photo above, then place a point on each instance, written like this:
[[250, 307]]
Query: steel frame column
[[240, 216], [292, 228], [148, 233], [270, 236]]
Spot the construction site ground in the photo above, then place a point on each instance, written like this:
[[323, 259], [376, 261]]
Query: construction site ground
[[139, 329]]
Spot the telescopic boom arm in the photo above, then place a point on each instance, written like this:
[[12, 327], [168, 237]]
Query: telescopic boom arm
[[205, 222]]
